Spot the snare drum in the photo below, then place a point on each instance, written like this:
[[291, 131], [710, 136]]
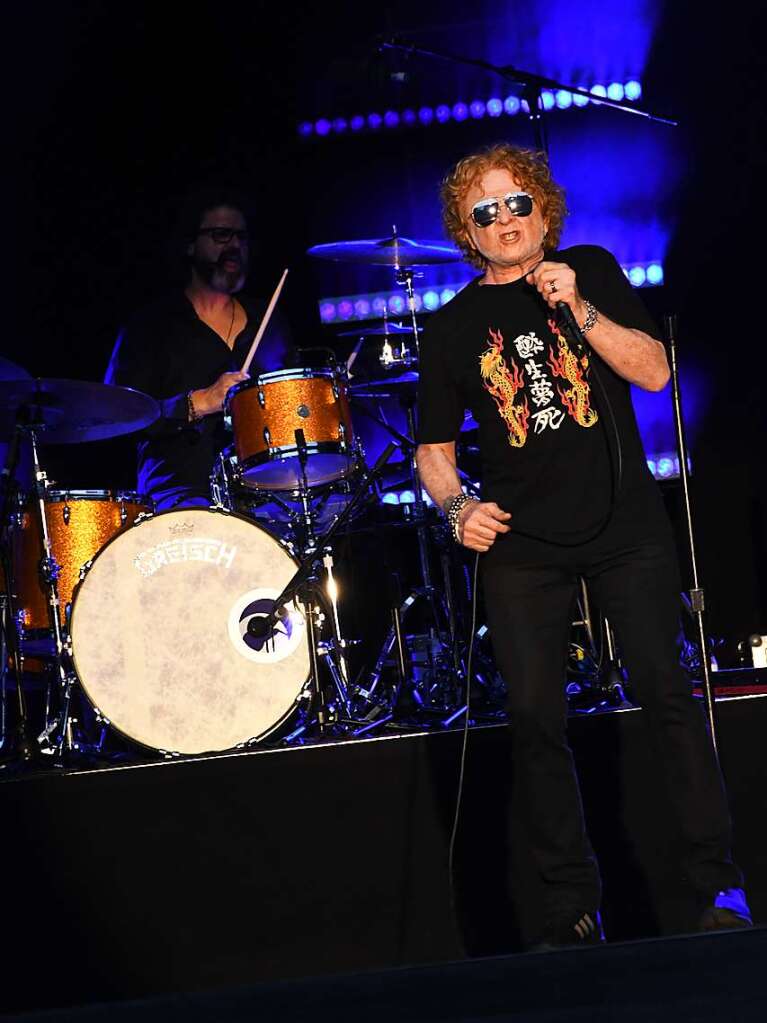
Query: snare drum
[[160, 639], [79, 522], [265, 414]]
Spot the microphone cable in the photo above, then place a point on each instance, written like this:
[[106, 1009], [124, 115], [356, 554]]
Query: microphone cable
[[464, 746]]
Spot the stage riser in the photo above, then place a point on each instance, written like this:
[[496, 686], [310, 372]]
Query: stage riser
[[313, 861]]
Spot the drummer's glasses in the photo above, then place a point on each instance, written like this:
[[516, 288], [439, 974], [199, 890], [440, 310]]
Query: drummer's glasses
[[485, 212], [223, 235]]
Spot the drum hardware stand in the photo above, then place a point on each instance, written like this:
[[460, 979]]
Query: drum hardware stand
[[304, 586], [20, 746], [697, 595]]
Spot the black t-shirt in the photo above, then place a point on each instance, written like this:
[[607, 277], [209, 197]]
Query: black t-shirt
[[546, 436], [166, 350]]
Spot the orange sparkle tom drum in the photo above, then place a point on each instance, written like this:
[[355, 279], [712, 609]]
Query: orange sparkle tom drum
[[79, 522], [265, 414]]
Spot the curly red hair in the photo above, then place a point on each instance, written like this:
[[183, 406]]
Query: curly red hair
[[528, 166]]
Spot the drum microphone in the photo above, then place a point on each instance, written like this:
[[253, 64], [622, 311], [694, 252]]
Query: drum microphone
[[260, 627]]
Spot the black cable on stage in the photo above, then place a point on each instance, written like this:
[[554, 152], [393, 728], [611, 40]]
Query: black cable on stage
[[464, 744]]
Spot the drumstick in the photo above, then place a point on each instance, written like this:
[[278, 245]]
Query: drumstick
[[264, 323]]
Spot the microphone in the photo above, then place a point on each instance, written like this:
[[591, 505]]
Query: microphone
[[570, 324], [260, 627]]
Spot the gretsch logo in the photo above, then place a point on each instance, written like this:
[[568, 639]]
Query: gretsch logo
[[214, 552]]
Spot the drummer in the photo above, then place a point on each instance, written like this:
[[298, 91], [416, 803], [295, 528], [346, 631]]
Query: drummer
[[186, 350]]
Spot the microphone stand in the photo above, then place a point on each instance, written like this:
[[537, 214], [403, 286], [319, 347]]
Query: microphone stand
[[532, 86], [697, 596]]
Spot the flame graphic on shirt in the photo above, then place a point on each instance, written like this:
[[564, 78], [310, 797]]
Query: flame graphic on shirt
[[566, 366], [503, 385]]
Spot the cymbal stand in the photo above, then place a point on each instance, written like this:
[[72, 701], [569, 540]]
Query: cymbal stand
[[405, 276], [21, 747], [49, 571]]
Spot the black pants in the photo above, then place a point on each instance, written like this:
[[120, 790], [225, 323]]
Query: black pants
[[632, 572]]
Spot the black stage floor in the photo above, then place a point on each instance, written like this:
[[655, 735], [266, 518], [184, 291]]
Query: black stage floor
[[698, 979], [275, 865]]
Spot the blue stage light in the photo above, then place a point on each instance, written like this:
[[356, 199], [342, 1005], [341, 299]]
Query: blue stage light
[[327, 312], [446, 295], [442, 113], [477, 109], [511, 105], [652, 467], [345, 310], [632, 90], [665, 467], [379, 305], [431, 300], [391, 119], [407, 497], [615, 91], [426, 115], [357, 123], [495, 107], [322, 127], [597, 90], [396, 304], [564, 99], [340, 125], [375, 121], [460, 111], [655, 273], [547, 99], [390, 498], [305, 128], [362, 309], [409, 117], [579, 100], [637, 276]]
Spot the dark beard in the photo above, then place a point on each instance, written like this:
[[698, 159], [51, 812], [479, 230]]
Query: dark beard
[[214, 275]]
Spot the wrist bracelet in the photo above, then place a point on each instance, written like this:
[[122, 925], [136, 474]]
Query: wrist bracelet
[[453, 508], [591, 317], [192, 414]]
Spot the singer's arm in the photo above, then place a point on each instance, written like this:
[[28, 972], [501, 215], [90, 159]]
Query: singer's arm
[[631, 353], [480, 521]]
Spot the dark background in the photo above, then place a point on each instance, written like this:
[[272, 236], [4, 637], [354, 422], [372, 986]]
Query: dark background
[[113, 112]]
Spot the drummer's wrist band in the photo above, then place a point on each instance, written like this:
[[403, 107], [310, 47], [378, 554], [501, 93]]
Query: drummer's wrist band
[[191, 412], [453, 508]]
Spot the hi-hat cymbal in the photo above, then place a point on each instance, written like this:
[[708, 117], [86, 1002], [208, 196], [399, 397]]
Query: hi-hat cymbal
[[387, 328], [71, 411], [394, 251]]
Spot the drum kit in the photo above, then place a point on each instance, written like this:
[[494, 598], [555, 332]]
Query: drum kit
[[207, 630]]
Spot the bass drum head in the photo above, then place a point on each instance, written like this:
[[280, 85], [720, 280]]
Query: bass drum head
[[159, 633]]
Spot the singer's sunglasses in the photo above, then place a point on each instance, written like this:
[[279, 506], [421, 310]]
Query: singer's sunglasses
[[223, 235], [485, 212]]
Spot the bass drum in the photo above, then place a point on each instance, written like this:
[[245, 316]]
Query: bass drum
[[160, 640]]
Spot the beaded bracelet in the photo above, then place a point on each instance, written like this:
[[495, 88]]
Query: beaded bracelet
[[453, 508], [192, 413]]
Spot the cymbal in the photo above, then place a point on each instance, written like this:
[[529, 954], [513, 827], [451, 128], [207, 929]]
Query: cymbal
[[71, 411], [389, 328], [10, 371], [382, 384], [394, 251]]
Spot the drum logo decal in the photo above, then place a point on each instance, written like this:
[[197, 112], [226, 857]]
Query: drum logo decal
[[271, 644], [215, 552]]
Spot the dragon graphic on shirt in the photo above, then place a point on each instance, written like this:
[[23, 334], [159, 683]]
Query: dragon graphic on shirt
[[504, 384], [567, 366]]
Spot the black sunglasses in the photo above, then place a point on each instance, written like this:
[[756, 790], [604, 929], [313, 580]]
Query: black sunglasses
[[223, 235], [485, 212]]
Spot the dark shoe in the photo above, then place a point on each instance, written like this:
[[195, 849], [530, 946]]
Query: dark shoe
[[728, 911], [587, 930]]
